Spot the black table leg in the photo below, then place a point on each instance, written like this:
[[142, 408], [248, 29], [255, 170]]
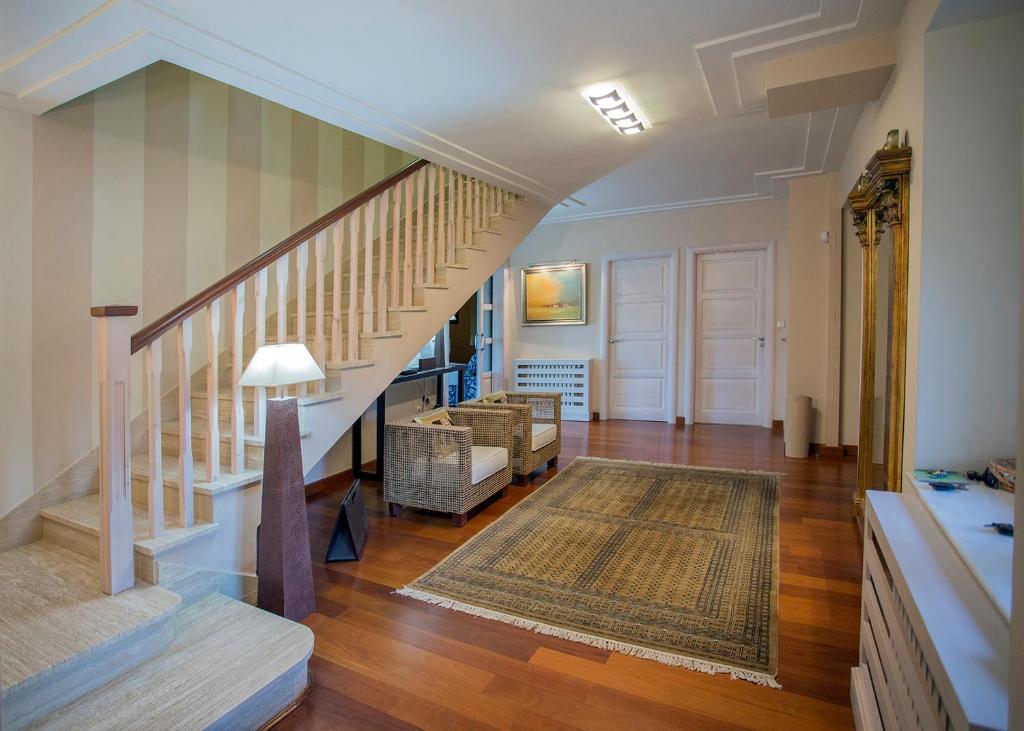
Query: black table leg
[[357, 446], [439, 388], [460, 389], [378, 474]]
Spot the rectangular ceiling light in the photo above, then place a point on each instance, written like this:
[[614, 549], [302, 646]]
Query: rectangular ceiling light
[[617, 107]]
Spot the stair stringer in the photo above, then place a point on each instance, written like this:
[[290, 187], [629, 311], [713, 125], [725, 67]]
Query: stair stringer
[[328, 421]]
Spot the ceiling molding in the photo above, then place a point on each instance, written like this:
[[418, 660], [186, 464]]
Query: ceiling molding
[[122, 36], [818, 151], [733, 66]]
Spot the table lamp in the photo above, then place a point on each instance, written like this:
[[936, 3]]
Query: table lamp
[[283, 564]]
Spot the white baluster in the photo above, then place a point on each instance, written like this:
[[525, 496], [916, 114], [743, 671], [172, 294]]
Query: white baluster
[[113, 350], [155, 498], [319, 349], [353, 285], [338, 233], [460, 216], [487, 206], [282, 306], [420, 179], [368, 211], [185, 466], [259, 401], [407, 262], [449, 217], [431, 196], [382, 248], [212, 391], [396, 217], [442, 211], [301, 270], [237, 366]]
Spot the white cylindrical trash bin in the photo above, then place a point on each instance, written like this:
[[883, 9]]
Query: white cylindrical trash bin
[[797, 429]]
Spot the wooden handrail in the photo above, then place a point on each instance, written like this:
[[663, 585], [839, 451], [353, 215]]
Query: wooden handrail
[[194, 304]]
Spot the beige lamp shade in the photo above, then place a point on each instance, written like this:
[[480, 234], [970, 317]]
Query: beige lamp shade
[[281, 365]]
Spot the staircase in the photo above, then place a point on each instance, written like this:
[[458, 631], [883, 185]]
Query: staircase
[[364, 286]]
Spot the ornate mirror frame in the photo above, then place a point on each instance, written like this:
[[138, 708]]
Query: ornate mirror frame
[[880, 201]]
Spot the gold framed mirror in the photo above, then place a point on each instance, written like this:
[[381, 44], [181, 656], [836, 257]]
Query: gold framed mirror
[[878, 206]]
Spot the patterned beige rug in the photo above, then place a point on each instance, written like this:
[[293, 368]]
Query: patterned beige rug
[[670, 563]]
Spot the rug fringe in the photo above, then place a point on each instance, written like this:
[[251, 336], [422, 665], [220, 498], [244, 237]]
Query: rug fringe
[[602, 643]]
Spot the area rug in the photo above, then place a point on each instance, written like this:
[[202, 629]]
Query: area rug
[[665, 562]]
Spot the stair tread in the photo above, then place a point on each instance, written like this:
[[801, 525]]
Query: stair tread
[[84, 514], [53, 610], [225, 483], [223, 655]]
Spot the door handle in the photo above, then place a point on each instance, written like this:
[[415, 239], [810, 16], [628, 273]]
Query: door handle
[[613, 340], [760, 340]]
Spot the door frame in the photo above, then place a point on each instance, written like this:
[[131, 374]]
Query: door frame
[[604, 378], [690, 334]]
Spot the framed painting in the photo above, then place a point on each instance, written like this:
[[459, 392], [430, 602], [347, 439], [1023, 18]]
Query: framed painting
[[555, 294]]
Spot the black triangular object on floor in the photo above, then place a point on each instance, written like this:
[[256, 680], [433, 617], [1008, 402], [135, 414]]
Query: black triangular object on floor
[[350, 530]]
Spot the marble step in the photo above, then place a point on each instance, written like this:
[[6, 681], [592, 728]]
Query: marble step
[[74, 525], [228, 666], [61, 637]]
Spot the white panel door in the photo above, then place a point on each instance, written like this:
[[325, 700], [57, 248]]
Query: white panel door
[[639, 339], [731, 373]]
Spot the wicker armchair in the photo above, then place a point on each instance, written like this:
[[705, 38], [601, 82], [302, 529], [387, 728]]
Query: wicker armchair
[[433, 466], [534, 412]]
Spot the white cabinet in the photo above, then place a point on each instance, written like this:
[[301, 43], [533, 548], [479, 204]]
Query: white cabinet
[[933, 645]]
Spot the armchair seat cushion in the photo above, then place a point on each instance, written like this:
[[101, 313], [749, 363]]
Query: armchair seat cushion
[[543, 435], [486, 461]]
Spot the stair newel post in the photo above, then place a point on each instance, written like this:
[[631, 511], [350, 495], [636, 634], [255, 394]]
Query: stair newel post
[[212, 391], [431, 240], [396, 218], [407, 262], [442, 212], [338, 239], [113, 350], [420, 178], [460, 220], [301, 271], [154, 419], [368, 211], [237, 366], [185, 466], [353, 285], [320, 252], [282, 306], [259, 400], [382, 269]]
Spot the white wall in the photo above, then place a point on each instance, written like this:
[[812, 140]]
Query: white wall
[[970, 255], [901, 106], [590, 240]]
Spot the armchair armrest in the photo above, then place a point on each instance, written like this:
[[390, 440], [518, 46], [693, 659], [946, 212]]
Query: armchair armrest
[[545, 405], [489, 427], [410, 448]]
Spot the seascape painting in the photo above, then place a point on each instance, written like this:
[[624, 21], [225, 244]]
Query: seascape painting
[[555, 294]]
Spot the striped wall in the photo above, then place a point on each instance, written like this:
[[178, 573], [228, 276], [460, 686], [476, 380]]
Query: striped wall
[[142, 192]]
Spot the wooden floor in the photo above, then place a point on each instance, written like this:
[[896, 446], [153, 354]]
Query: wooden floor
[[383, 661]]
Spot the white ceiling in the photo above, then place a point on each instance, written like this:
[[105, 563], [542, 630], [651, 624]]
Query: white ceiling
[[487, 86]]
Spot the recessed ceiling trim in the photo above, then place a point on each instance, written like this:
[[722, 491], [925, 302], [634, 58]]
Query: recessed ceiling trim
[[764, 181]]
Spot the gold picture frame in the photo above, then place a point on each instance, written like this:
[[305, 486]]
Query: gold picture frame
[[554, 294]]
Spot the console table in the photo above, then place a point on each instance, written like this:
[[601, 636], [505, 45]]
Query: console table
[[357, 427]]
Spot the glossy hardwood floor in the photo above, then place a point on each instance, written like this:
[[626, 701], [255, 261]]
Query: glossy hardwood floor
[[383, 661]]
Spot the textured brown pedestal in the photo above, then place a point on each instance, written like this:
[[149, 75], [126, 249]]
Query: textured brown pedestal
[[284, 566]]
